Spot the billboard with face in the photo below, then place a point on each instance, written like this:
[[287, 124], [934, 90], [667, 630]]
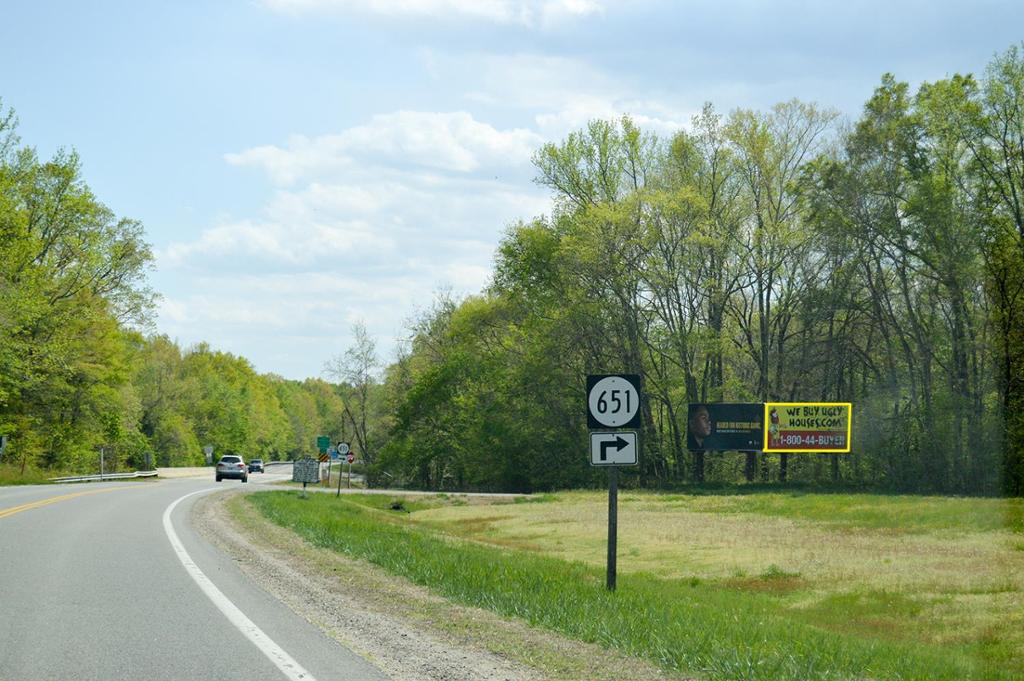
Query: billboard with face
[[722, 427]]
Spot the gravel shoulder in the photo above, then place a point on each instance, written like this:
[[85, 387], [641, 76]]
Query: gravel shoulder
[[409, 633]]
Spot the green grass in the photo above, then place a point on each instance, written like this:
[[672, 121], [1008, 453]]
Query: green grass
[[907, 514], [684, 625], [12, 475]]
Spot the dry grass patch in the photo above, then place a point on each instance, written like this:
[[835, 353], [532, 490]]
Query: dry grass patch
[[930, 569], [669, 540]]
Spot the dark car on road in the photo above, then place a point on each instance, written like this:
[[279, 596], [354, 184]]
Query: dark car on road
[[256, 466], [232, 467]]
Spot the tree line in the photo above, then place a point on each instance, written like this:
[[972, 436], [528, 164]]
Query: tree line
[[781, 255], [78, 372]]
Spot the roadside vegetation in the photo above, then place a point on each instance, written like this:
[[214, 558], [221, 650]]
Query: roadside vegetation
[[78, 370], [781, 254], [764, 586], [754, 256], [15, 475]]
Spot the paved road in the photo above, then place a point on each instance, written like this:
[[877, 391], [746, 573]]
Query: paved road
[[93, 587]]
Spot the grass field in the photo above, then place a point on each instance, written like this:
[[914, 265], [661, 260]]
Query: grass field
[[766, 586]]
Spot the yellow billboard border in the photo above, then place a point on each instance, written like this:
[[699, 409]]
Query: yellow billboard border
[[849, 426]]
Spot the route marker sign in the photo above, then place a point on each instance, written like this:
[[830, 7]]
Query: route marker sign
[[807, 426], [342, 448], [613, 401], [613, 449]]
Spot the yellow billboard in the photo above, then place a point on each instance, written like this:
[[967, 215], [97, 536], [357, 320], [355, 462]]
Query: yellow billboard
[[807, 426]]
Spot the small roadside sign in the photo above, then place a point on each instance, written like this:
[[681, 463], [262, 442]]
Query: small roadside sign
[[306, 470], [323, 443], [351, 457], [613, 449], [613, 401], [324, 458]]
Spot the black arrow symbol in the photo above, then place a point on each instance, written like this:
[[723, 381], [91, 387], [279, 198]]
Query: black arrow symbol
[[619, 443]]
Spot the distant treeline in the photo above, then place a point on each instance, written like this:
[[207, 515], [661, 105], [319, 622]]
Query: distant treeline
[[76, 376], [776, 255]]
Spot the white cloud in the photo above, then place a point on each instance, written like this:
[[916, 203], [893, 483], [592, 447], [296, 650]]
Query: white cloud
[[281, 242], [355, 232], [555, 10], [585, 109], [454, 142], [311, 310], [563, 94], [370, 218], [524, 12]]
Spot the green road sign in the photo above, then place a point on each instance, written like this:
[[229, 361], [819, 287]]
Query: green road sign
[[323, 443]]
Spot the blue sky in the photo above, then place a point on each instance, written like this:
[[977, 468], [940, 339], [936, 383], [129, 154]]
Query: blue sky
[[301, 165]]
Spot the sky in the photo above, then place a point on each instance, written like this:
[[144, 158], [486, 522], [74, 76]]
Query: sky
[[301, 166]]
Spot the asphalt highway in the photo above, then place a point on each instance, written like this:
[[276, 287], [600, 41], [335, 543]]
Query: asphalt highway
[[95, 584]]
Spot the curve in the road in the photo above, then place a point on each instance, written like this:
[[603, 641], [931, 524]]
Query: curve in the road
[[282, 660]]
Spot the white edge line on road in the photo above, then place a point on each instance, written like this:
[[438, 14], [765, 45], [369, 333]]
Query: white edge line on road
[[282, 660]]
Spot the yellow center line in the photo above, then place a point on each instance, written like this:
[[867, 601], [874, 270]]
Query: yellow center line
[[4, 512]]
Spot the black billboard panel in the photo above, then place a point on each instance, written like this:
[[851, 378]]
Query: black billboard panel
[[721, 426]]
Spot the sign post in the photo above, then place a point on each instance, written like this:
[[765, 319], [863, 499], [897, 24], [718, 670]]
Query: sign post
[[339, 480], [613, 401], [613, 527], [340, 450]]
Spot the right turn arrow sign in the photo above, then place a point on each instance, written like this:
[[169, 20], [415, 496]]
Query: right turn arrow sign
[[613, 449], [619, 443]]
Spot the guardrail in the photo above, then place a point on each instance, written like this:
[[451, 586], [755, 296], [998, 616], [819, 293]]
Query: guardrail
[[137, 474], [105, 476]]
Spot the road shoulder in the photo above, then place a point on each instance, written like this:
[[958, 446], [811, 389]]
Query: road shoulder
[[403, 629]]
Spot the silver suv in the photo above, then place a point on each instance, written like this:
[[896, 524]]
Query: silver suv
[[232, 467]]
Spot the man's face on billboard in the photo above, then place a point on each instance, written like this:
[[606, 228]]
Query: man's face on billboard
[[700, 424]]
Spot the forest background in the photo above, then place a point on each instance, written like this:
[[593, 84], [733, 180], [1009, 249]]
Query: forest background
[[759, 255]]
